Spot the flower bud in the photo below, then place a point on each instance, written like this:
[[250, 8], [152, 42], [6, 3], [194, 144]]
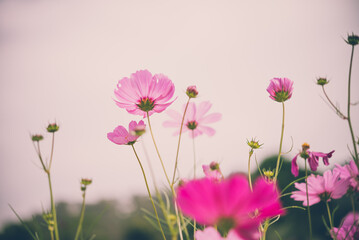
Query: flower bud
[[304, 154], [192, 91], [139, 130], [254, 144], [37, 137], [52, 127], [352, 39], [86, 181], [322, 81]]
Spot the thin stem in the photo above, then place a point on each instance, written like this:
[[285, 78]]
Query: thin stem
[[194, 176], [52, 235], [53, 208], [329, 215], [149, 192], [52, 149], [348, 114], [265, 228], [179, 140], [38, 151], [341, 115], [249, 170], [158, 153], [353, 203], [308, 207], [79, 228], [280, 146]]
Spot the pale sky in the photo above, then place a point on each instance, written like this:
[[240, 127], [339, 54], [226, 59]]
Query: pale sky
[[61, 60]]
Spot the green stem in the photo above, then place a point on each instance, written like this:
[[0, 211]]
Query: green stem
[[341, 115], [280, 146], [329, 215], [353, 203], [308, 207], [52, 149], [52, 235], [249, 169], [348, 115], [158, 153], [53, 208], [149, 192], [179, 141], [79, 228], [38, 151], [265, 228]]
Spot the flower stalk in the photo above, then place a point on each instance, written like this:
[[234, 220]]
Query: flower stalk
[[280, 146], [308, 205]]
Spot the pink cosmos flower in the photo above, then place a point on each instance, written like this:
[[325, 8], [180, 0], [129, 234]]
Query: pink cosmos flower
[[121, 136], [195, 120], [349, 229], [349, 171], [313, 159], [212, 234], [230, 203], [143, 93], [326, 187], [212, 171], [280, 89]]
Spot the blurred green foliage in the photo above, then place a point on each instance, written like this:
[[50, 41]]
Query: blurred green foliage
[[108, 220]]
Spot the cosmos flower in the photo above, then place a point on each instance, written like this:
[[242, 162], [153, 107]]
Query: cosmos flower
[[280, 89], [195, 120], [210, 233], [313, 159], [121, 136], [349, 171], [326, 187], [349, 229], [230, 204], [212, 171], [143, 93]]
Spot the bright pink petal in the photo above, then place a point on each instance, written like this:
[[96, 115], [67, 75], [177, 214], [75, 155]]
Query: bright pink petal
[[295, 168], [208, 233]]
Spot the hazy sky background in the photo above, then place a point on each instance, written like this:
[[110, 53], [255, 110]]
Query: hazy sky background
[[61, 60]]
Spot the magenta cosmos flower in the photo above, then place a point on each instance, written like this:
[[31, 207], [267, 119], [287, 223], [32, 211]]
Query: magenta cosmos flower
[[230, 204], [280, 89], [349, 171], [212, 171], [195, 120], [212, 234], [326, 187], [121, 136], [313, 159], [143, 93], [349, 229]]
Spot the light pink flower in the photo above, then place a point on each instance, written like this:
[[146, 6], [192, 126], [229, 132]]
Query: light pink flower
[[349, 171], [142, 93], [195, 120], [230, 201], [313, 160], [326, 187], [212, 171], [210, 233], [349, 229], [121, 136], [280, 89]]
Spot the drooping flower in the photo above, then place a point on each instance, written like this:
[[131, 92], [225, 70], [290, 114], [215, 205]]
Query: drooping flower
[[121, 136], [195, 120], [143, 93], [349, 229], [212, 171], [280, 89], [326, 187], [230, 204], [313, 159], [349, 171], [210, 233]]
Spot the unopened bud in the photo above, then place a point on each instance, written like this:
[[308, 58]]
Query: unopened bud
[[37, 138], [139, 130], [304, 153], [322, 81], [192, 91], [352, 39], [52, 127], [254, 144], [86, 181]]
